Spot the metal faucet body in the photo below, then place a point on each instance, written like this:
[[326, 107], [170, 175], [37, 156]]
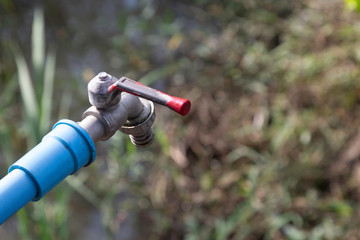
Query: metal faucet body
[[117, 111]]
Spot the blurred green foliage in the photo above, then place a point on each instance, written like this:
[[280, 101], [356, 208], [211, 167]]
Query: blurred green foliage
[[353, 4], [37, 93], [269, 151]]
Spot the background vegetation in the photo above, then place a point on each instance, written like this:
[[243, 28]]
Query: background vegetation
[[269, 150]]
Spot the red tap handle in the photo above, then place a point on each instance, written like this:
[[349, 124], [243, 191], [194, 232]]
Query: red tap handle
[[179, 105]]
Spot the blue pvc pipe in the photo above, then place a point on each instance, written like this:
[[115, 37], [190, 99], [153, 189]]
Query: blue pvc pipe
[[62, 152]]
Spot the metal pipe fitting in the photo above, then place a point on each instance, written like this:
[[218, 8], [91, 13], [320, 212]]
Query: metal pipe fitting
[[140, 128], [101, 124], [110, 121]]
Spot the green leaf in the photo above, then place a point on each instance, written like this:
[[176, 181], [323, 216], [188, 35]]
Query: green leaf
[[341, 208], [293, 233], [163, 140], [243, 211], [353, 4], [77, 183], [23, 224]]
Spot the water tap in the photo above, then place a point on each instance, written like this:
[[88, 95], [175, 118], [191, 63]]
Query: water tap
[[126, 105]]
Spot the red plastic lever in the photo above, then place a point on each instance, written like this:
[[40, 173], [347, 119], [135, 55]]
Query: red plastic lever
[[179, 105]]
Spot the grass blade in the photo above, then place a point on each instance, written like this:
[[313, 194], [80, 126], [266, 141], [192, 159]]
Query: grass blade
[[6, 99], [78, 185], [65, 105], [23, 225], [159, 73], [6, 146], [38, 47], [28, 95], [47, 95]]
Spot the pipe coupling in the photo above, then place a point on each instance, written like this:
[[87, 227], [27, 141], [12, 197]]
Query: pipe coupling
[[111, 119]]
